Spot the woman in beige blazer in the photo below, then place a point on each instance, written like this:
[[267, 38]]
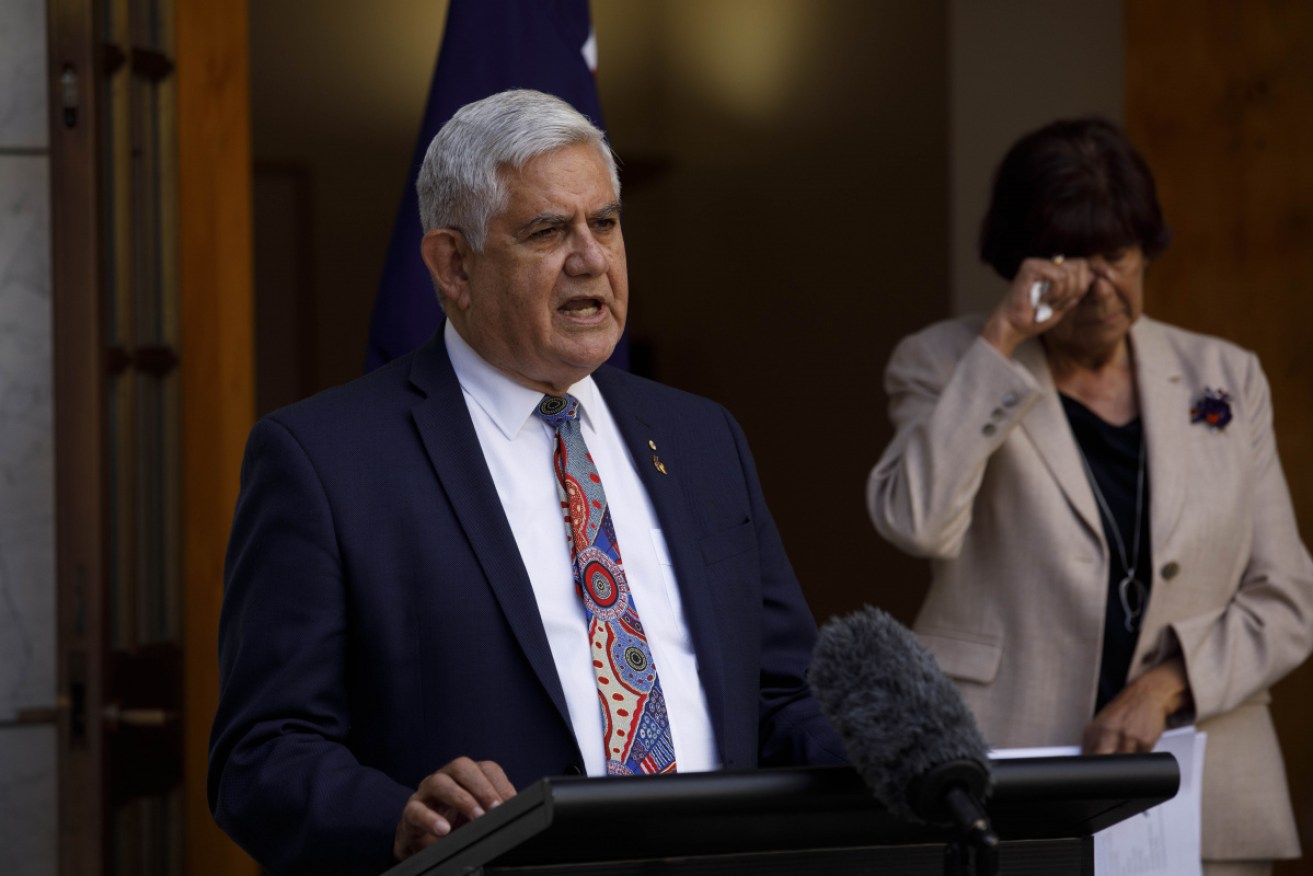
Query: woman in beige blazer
[[1112, 540]]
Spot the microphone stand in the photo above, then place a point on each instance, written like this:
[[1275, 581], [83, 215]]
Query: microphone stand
[[976, 849], [962, 859], [951, 793]]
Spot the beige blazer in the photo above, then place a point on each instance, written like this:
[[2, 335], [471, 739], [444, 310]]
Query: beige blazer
[[983, 477]]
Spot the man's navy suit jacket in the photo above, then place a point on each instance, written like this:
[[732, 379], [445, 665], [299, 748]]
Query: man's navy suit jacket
[[378, 621]]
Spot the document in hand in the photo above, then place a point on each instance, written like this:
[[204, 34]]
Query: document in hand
[[1163, 841]]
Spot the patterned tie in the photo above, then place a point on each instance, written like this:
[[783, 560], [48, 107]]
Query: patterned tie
[[635, 725]]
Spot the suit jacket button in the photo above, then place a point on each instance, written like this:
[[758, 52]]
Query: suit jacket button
[[1170, 570], [989, 429], [1009, 400]]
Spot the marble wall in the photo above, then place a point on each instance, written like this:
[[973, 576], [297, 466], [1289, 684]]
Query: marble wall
[[27, 574]]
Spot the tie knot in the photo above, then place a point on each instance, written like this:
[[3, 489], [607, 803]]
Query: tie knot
[[555, 410]]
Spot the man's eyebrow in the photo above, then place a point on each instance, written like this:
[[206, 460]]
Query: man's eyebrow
[[556, 219], [544, 219]]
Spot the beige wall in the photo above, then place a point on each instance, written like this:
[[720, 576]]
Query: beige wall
[[336, 99], [796, 232], [1015, 66]]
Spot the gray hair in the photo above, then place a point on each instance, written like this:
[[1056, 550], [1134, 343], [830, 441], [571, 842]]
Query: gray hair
[[459, 182]]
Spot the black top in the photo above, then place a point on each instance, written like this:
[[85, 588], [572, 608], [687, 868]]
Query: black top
[[1113, 455]]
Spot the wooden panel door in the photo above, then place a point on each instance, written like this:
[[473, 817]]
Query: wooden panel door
[[149, 164]]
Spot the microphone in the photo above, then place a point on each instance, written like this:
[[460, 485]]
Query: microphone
[[906, 729]]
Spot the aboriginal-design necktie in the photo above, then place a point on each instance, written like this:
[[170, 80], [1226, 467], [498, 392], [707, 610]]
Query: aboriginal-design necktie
[[635, 725]]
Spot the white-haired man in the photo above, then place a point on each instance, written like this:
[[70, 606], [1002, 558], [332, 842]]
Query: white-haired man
[[426, 603]]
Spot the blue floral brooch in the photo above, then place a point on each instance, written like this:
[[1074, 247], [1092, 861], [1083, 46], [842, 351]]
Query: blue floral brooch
[[1213, 409]]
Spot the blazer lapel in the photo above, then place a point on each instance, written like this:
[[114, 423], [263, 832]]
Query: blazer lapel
[[453, 448], [1164, 411], [642, 427], [1046, 426]]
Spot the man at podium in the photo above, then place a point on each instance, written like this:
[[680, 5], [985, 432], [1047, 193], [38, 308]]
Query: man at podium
[[427, 604]]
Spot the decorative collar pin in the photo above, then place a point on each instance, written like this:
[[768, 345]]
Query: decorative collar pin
[[656, 460], [1213, 409]]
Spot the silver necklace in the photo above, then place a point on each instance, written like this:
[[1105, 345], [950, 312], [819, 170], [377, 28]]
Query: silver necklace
[[1130, 612]]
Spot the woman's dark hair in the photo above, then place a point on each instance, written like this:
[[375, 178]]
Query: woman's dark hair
[[1075, 187]]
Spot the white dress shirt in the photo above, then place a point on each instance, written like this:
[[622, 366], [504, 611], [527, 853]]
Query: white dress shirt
[[518, 449]]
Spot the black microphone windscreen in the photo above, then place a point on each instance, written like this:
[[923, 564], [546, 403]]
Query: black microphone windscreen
[[898, 714]]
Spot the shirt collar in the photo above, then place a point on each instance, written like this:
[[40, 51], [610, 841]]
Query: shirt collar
[[507, 403]]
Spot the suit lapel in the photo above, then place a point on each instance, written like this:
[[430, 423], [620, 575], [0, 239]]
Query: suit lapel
[[639, 425], [453, 448], [1164, 411], [1046, 426]]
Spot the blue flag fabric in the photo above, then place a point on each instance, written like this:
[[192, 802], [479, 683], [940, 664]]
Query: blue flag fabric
[[488, 46]]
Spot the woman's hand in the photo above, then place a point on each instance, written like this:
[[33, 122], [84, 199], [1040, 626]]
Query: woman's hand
[[1136, 717], [1062, 283]]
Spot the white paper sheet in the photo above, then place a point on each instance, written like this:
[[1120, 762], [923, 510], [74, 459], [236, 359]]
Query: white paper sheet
[[1164, 841]]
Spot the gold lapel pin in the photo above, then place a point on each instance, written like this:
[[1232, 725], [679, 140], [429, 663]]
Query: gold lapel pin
[[656, 460]]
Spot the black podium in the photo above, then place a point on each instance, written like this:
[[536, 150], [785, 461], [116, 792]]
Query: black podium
[[791, 821]]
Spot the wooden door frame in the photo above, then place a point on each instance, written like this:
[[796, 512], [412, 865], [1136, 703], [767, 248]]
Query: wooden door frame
[[79, 420], [213, 141], [218, 387]]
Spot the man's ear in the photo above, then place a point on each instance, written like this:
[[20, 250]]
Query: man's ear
[[447, 255]]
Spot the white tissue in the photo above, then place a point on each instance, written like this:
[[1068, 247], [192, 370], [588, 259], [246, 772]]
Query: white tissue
[[1042, 311]]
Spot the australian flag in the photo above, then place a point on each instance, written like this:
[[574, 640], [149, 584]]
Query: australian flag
[[488, 46]]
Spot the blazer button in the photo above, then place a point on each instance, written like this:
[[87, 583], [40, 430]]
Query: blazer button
[[1170, 570], [997, 413], [989, 429], [1009, 401]]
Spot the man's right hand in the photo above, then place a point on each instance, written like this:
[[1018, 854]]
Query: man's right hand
[[459, 792]]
